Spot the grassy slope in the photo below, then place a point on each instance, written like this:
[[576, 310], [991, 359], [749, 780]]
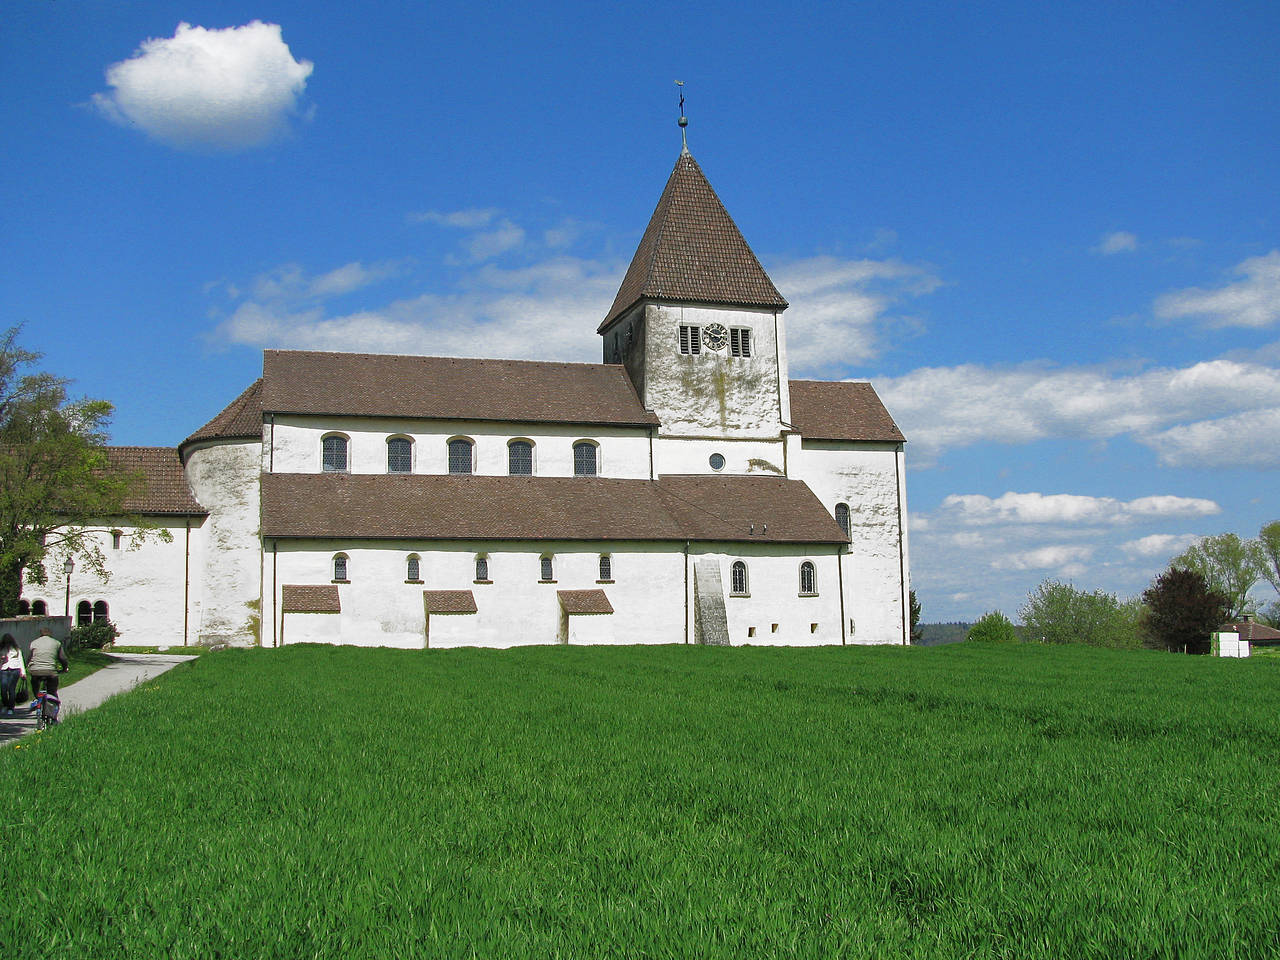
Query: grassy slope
[[960, 801]]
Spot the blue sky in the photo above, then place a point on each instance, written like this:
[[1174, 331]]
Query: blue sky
[[1047, 233]]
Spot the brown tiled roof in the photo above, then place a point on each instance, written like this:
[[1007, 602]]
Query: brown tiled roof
[[444, 507], [840, 410], [584, 601], [240, 420], [1253, 632], [162, 490], [449, 388], [310, 598], [692, 251], [449, 601]]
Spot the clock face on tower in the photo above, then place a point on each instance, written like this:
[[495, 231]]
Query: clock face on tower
[[715, 336]]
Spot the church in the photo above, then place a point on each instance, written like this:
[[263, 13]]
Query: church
[[684, 490]]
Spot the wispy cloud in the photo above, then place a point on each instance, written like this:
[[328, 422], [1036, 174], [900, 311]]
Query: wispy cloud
[[1120, 241], [216, 89], [291, 282], [472, 218], [1066, 558], [1159, 544], [1252, 301], [1067, 508]]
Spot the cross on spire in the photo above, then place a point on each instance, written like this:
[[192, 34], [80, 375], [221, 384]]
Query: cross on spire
[[684, 122]]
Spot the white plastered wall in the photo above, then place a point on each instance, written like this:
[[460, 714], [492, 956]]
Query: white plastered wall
[[224, 477], [871, 479], [294, 445]]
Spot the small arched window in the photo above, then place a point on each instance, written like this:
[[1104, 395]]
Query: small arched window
[[520, 458], [584, 459], [24, 608], [100, 611], [413, 568], [39, 608], [115, 539], [482, 569], [738, 579], [842, 518], [461, 451], [548, 570], [340, 571], [399, 455], [808, 582], [84, 613], [333, 450], [606, 567]]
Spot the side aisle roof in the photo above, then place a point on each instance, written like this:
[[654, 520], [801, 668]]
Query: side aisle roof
[[452, 507], [841, 410]]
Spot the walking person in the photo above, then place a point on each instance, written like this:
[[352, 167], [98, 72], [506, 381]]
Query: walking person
[[11, 670], [47, 660]]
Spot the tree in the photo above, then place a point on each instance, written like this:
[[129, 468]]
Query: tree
[[916, 635], [993, 627], [55, 479], [1269, 552], [1183, 611], [1230, 566], [1057, 612]]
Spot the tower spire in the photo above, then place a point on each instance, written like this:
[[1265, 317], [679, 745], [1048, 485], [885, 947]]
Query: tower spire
[[684, 123]]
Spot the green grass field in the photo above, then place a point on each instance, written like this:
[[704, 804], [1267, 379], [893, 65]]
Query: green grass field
[[962, 801]]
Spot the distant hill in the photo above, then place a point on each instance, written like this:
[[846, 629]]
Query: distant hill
[[936, 634]]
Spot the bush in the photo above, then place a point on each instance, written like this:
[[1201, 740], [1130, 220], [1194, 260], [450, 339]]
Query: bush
[[92, 636], [1057, 612], [993, 627]]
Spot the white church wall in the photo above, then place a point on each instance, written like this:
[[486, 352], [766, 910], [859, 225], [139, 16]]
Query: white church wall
[[870, 478], [679, 455], [515, 608], [774, 613], [224, 478], [144, 592], [712, 394], [295, 445]]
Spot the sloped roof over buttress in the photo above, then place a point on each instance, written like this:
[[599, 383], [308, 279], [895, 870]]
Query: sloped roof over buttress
[[841, 410], [692, 251], [159, 485], [241, 419]]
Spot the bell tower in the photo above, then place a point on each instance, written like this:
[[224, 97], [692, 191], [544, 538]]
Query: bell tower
[[698, 323]]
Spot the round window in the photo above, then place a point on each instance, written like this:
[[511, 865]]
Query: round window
[[716, 461]]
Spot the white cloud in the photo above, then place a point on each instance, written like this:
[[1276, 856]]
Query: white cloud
[[1253, 301], [1243, 440], [1120, 241], [505, 236], [222, 89], [291, 282], [941, 408], [1066, 557], [471, 218], [1067, 508], [1159, 544], [838, 307]]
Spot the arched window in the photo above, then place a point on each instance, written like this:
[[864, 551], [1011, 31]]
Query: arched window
[[842, 518], [100, 611], [808, 583], [461, 451], [738, 579], [548, 571], [413, 568], [584, 459], [84, 613], [606, 567], [399, 455], [334, 453], [115, 539], [39, 608], [24, 608], [482, 569], [340, 567], [520, 458]]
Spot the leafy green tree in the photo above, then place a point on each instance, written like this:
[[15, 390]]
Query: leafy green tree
[[55, 479], [1230, 566], [993, 627], [1057, 612], [916, 635], [1269, 551], [1183, 611]]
